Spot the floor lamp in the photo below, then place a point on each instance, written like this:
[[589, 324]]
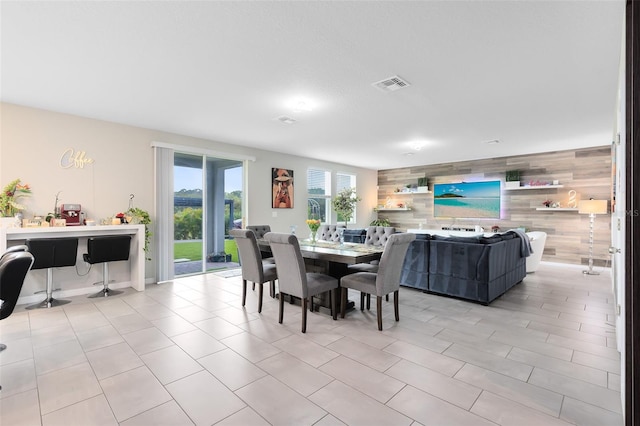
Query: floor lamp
[[592, 208]]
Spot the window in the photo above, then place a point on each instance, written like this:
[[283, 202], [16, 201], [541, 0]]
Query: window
[[319, 195], [343, 181]]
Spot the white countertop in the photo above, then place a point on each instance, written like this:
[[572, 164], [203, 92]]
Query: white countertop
[[22, 233]]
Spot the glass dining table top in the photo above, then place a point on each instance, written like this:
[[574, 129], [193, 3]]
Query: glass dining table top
[[349, 253]]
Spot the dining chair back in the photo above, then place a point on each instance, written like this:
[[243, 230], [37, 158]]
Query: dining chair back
[[259, 230], [383, 282], [253, 268], [376, 236], [329, 233], [293, 280], [390, 267]]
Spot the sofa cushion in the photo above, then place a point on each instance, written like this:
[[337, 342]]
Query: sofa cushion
[[492, 239], [472, 240]]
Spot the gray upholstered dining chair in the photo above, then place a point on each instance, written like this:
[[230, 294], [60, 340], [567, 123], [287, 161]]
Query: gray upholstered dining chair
[[293, 278], [329, 233], [260, 231], [385, 281], [376, 236], [253, 268]]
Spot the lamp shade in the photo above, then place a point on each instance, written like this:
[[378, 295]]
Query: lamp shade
[[592, 207]]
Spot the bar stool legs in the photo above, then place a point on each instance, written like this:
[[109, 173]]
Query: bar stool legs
[[106, 291], [52, 253], [104, 250], [49, 302]]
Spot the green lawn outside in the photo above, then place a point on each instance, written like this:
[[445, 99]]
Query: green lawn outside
[[192, 250]]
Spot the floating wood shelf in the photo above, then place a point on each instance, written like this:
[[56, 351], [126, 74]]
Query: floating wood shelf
[[534, 187], [409, 193], [557, 209], [396, 209]]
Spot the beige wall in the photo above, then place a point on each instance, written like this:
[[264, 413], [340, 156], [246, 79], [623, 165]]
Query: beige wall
[[33, 140], [587, 171]]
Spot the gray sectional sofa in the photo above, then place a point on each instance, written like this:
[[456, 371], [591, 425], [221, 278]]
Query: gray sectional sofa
[[479, 269]]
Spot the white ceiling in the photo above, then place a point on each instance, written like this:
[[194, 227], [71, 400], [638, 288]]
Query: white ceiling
[[538, 76]]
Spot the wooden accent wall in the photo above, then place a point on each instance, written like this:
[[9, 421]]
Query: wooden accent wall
[[587, 171]]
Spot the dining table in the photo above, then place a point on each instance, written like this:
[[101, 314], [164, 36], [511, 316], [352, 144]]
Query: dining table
[[331, 258]]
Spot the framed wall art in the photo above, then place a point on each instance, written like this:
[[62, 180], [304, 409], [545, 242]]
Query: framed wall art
[[281, 188]]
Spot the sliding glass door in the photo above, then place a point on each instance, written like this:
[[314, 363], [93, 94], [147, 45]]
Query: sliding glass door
[[207, 203]]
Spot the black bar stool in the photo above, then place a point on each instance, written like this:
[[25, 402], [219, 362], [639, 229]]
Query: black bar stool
[[104, 250], [52, 253]]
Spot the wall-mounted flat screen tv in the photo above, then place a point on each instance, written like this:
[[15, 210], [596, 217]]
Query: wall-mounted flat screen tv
[[467, 200]]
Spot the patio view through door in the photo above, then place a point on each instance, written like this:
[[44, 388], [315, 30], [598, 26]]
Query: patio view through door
[[207, 203]]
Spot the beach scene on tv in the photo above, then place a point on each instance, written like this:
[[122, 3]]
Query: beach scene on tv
[[467, 200]]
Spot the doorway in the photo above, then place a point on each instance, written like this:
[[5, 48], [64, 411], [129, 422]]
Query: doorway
[[207, 203]]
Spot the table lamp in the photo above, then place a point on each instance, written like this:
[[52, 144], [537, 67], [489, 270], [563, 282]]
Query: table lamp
[[592, 208]]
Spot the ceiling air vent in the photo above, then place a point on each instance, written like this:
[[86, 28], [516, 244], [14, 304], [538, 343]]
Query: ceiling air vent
[[286, 120], [391, 84]]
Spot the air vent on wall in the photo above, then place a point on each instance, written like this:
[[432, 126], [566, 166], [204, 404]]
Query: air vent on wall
[[286, 120], [391, 84]]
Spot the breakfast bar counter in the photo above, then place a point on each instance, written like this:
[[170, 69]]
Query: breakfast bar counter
[[79, 280]]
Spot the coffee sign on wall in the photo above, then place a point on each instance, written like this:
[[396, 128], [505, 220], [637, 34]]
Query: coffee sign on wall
[[74, 159]]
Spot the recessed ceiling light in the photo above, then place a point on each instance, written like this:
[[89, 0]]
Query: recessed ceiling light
[[300, 104], [303, 106], [407, 154]]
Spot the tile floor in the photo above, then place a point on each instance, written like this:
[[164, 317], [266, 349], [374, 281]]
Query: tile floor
[[185, 353]]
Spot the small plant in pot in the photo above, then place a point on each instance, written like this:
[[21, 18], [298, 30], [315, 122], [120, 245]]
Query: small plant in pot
[[512, 179], [380, 222], [423, 184]]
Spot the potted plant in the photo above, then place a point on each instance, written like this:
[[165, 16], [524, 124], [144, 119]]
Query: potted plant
[[423, 184], [345, 204], [380, 222], [138, 216], [9, 206], [512, 179]]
